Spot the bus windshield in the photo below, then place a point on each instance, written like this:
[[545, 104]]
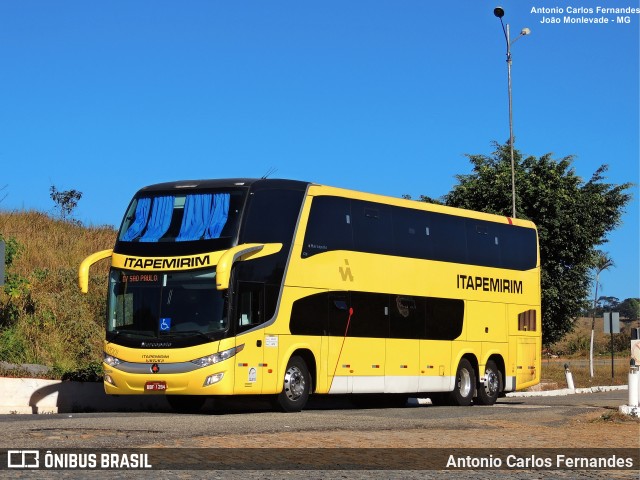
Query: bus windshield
[[182, 217], [165, 304]]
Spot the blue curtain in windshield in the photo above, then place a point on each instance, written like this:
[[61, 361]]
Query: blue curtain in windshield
[[204, 216], [161, 213], [197, 209], [219, 215], [140, 220]]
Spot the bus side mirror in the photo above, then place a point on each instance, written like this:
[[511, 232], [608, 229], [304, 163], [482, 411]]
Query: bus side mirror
[[83, 271], [246, 251]]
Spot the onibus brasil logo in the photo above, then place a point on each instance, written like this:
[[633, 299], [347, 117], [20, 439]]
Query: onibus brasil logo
[[32, 459]]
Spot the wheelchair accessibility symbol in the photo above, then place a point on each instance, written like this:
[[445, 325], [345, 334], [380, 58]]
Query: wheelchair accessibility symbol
[[165, 324]]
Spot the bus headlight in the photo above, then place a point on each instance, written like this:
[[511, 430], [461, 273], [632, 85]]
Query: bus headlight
[[110, 359], [211, 379], [217, 357]]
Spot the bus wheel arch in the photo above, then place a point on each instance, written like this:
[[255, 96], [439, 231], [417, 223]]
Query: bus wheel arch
[[297, 382], [310, 360]]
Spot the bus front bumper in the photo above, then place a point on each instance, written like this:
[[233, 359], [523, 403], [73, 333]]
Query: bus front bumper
[[212, 380]]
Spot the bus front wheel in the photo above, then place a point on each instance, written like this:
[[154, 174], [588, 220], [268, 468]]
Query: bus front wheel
[[489, 390], [465, 382], [296, 388]]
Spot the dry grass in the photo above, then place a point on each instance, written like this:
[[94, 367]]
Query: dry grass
[[615, 416], [574, 350], [553, 372], [43, 317], [51, 244], [576, 343]]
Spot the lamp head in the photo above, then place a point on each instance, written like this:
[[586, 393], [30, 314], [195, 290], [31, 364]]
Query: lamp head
[[525, 31], [498, 12]]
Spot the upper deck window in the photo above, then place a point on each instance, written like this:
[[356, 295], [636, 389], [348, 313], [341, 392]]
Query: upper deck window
[[181, 217], [339, 223]]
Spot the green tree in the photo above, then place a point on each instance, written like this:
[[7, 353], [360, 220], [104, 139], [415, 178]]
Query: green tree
[[630, 308], [66, 201], [573, 217], [607, 304]]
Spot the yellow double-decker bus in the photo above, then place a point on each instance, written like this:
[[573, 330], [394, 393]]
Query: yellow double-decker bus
[[288, 288]]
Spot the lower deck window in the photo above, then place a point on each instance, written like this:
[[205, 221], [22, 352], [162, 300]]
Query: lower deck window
[[378, 315]]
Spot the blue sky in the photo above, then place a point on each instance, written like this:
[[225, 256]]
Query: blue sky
[[379, 96]]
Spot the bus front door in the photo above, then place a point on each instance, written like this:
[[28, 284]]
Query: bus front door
[[249, 361]]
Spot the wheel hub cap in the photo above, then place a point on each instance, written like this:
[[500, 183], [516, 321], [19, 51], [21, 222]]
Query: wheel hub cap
[[492, 383], [294, 383], [464, 383]]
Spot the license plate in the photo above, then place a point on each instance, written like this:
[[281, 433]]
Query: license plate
[[155, 386]]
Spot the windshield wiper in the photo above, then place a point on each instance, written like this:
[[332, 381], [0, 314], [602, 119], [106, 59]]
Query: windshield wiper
[[184, 333], [128, 333]]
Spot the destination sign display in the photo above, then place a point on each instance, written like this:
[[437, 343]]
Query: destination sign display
[[140, 278]]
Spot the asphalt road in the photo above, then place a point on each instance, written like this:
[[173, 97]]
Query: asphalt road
[[525, 423], [255, 416]]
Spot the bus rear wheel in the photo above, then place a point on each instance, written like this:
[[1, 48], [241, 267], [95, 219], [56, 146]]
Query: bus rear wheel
[[186, 403], [464, 388], [296, 388], [489, 390]]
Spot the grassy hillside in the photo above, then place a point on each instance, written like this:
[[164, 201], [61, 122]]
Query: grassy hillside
[[44, 318], [577, 342]]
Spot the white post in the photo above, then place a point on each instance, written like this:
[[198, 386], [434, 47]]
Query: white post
[[569, 377], [634, 384]]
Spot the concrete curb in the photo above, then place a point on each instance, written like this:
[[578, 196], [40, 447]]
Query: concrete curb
[[32, 395], [625, 409], [630, 410], [567, 391]]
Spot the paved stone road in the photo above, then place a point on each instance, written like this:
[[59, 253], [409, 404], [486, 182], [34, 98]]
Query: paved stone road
[[574, 421]]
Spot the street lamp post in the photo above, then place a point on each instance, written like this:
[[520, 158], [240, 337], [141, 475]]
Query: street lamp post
[[499, 12]]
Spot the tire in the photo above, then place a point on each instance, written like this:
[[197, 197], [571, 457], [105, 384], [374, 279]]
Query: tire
[[186, 403], [296, 387], [464, 388], [489, 391]]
